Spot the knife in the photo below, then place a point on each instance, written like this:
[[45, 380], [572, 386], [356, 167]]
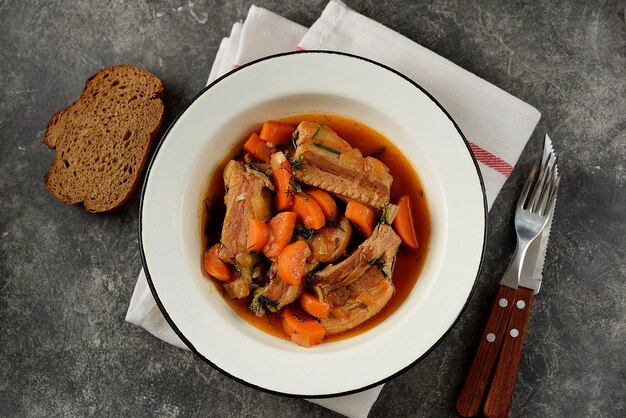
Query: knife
[[472, 393], [499, 396]]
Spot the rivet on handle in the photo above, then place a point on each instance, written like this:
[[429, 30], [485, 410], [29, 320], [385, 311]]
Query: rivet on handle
[[514, 333], [503, 303], [520, 304]]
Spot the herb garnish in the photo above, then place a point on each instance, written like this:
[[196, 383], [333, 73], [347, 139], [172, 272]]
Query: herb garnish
[[267, 302], [378, 262], [384, 218], [304, 232], [374, 261], [297, 188], [261, 302], [310, 277], [297, 165], [325, 148], [319, 128]]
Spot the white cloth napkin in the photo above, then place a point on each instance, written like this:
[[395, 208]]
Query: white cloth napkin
[[497, 124]]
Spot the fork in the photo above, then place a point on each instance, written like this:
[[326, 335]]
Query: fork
[[533, 211]]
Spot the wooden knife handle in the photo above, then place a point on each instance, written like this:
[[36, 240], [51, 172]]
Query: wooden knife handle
[[501, 390], [473, 390]]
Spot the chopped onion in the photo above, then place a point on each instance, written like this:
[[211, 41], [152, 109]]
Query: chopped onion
[[300, 339], [260, 209]]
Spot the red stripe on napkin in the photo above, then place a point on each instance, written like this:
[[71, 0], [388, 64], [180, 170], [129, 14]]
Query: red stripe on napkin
[[491, 160]]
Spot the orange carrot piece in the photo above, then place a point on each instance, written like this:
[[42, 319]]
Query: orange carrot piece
[[314, 306], [362, 216], [277, 132], [292, 262], [258, 148], [403, 224], [303, 329], [216, 267], [308, 211], [258, 235], [325, 201], [281, 171], [280, 229]]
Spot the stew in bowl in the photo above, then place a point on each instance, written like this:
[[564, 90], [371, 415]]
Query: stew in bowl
[[317, 229]]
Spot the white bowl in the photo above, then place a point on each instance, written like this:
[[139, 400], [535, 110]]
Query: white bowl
[[204, 133]]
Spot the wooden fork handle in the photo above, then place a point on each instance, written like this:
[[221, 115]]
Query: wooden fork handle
[[501, 389], [473, 390]]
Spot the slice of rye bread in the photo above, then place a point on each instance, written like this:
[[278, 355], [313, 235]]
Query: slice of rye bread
[[103, 140]]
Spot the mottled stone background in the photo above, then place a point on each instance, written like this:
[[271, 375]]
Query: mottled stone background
[[66, 276]]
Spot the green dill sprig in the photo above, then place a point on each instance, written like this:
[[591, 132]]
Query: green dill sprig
[[374, 261], [260, 303], [268, 303], [378, 262], [297, 165], [384, 217], [325, 148], [297, 188], [319, 128], [310, 277], [305, 232]]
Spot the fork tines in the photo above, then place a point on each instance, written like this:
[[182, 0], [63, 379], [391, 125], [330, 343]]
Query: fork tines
[[539, 193]]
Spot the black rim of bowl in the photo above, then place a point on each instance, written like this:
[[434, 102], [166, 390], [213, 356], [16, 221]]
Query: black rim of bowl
[[164, 311]]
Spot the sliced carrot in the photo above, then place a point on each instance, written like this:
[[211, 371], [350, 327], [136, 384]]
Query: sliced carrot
[[325, 201], [362, 216], [277, 132], [281, 171], [280, 229], [314, 306], [216, 267], [258, 235], [292, 262], [403, 224], [308, 211], [258, 148], [303, 329]]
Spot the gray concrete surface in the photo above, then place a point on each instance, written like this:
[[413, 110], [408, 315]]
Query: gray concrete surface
[[66, 276]]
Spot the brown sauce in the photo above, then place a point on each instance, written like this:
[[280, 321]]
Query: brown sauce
[[409, 262]]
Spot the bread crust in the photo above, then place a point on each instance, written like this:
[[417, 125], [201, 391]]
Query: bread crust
[[103, 140]]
